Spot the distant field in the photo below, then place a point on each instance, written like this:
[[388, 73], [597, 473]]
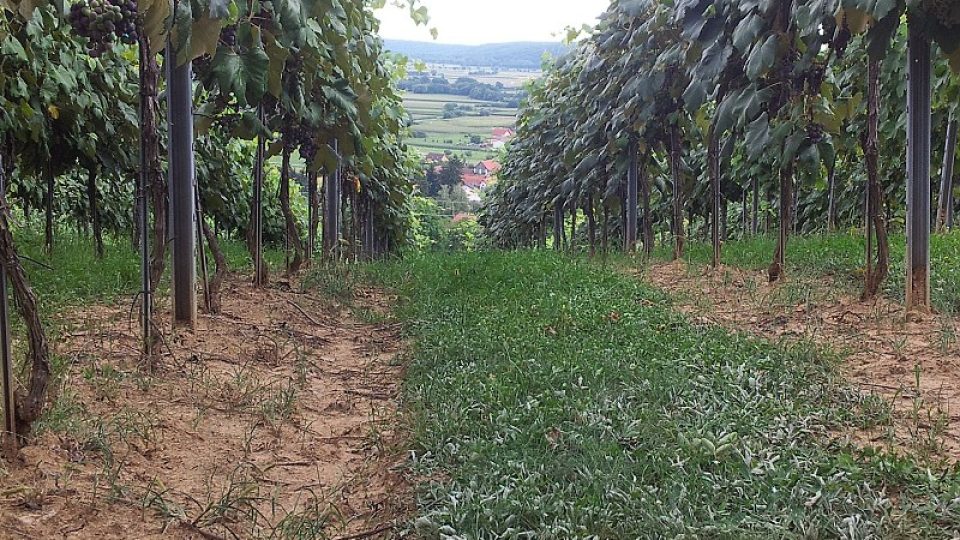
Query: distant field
[[454, 134], [508, 78], [465, 125], [471, 156]]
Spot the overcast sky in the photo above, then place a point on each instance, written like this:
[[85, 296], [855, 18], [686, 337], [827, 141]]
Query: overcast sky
[[474, 22]]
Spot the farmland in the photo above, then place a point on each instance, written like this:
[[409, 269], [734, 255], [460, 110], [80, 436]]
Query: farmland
[[454, 134]]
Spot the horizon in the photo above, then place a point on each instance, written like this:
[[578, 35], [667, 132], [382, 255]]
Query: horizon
[[486, 44], [463, 22]]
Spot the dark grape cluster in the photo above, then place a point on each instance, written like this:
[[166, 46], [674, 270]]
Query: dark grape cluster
[[294, 63], [811, 80], [298, 135], [228, 36], [814, 132], [202, 64], [842, 39], [308, 149], [264, 17], [103, 22], [947, 12]]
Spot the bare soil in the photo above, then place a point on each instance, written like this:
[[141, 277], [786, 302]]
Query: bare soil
[[275, 419], [911, 363]]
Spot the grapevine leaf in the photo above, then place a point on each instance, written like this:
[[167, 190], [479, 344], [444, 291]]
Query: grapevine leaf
[[155, 13], [694, 95], [758, 132], [810, 157], [827, 151], [278, 58], [255, 64], [747, 31], [203, 118], [714, 60], [204, 36], [220, 9], [791, 146], [762, 57], [12, 46]]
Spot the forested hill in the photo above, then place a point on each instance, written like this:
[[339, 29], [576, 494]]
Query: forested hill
[[520, 55]]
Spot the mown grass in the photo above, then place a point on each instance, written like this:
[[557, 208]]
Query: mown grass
[[840, 257], [553, 399]]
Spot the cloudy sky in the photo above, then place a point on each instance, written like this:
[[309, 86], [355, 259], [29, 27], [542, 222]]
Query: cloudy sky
[[474, 22]]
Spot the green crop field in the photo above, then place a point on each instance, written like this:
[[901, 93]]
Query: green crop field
[[454, 134]]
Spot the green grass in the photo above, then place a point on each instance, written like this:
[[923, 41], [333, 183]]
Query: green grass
[[553, 399], [72, 275], [841, 258]]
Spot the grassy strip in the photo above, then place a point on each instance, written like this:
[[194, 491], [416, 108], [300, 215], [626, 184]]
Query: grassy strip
[[841, 256], [554, 399], [72, 275]]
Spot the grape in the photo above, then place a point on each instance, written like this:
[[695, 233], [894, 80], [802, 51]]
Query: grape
[[814, 132], [264, 17], [944, 11], [815, 77], [228, 36], [102, 22], [842, 38]]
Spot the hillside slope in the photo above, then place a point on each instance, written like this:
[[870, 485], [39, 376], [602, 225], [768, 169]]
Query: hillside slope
[[520, 55]]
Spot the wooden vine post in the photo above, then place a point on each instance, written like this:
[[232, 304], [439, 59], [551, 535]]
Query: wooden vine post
[[876, 267], [918, 169], [633, 196]]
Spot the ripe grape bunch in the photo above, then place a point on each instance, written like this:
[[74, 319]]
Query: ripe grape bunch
[[944, 11], [814, 132], [104, 21], [297, 134], [228, 36]]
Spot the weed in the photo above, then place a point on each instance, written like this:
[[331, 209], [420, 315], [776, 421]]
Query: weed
[[337, 282]]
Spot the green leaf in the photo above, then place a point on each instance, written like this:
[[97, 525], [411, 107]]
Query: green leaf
[[220, 9], [278, 58], [155, 14], [12, 46], [747, 31], [757, 135], [694, 96], [791, 146], [255, 63], [762, 58], [204, 36], [810, 157]]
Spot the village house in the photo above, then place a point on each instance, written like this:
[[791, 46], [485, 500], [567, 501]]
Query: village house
[[487, 168], [477, 178], [435, 157], [501, 136]]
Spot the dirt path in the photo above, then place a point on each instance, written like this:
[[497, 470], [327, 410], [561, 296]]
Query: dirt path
[[275, 419], [914, 366]]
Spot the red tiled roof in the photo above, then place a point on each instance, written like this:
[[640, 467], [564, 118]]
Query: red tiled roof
[[463, 216], [491, 165], [500, 133], [474, 180]]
